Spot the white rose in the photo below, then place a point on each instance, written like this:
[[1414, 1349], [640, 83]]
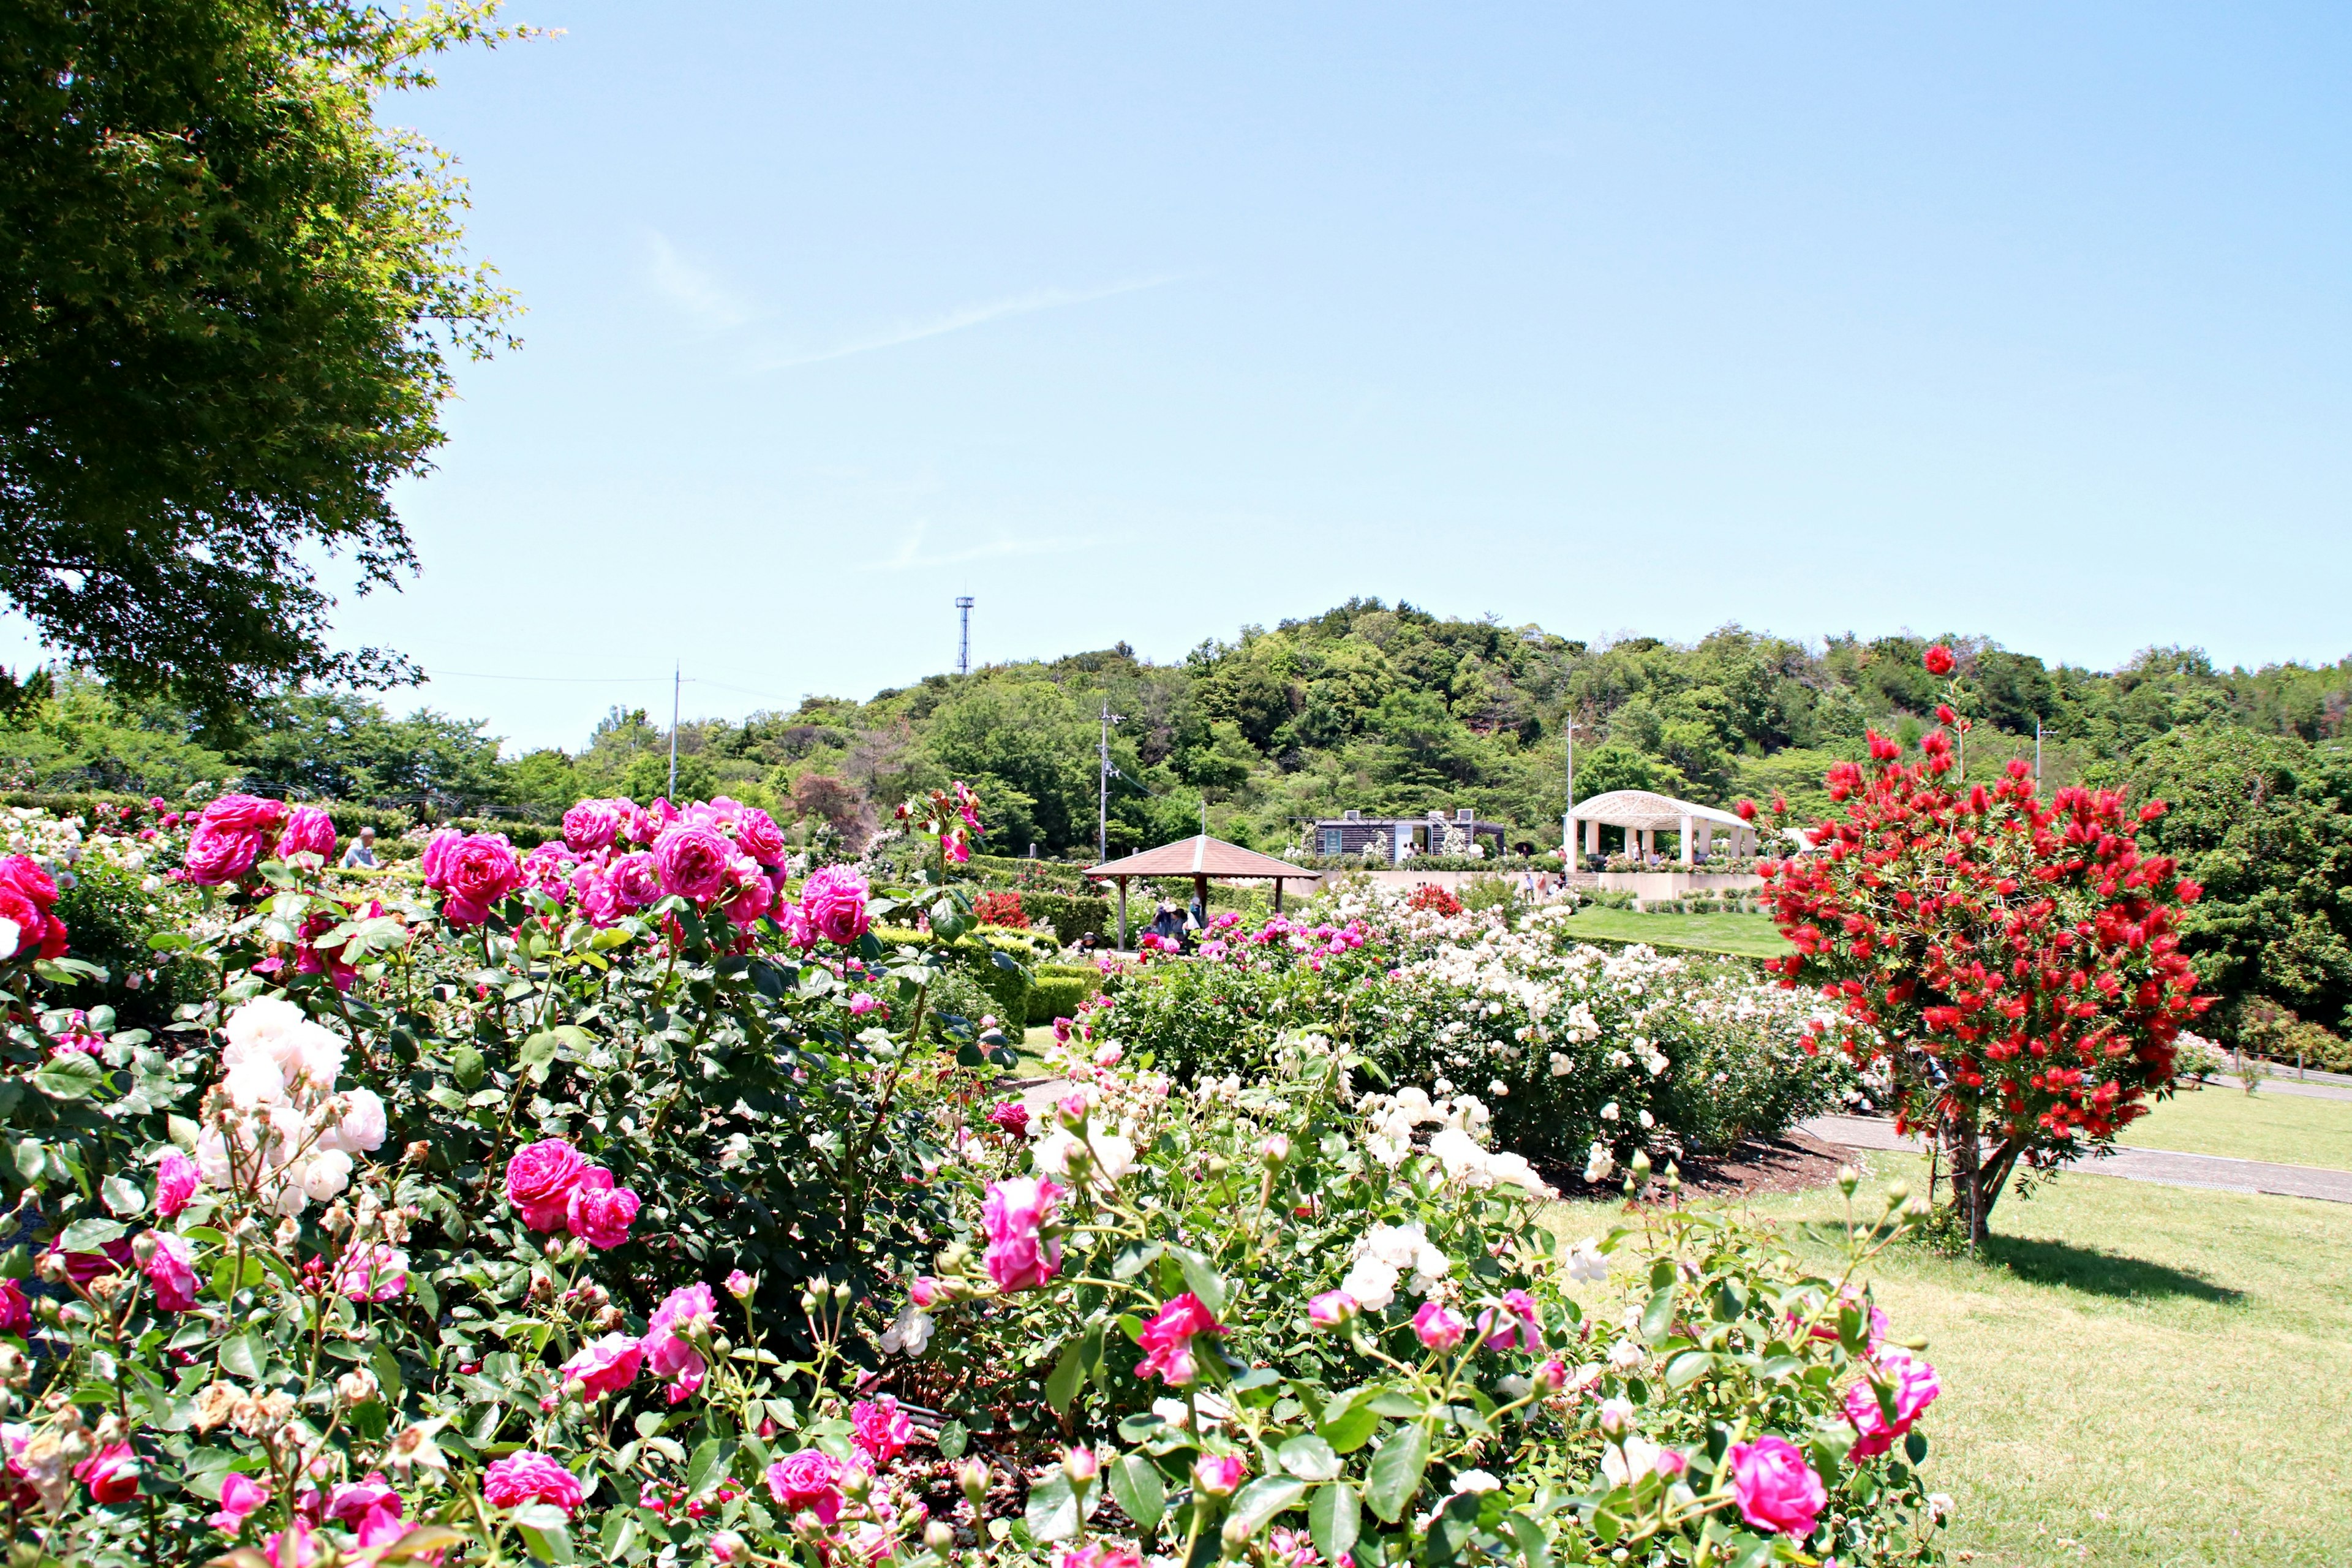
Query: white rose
[[1584, 1261], [328, 1173], [1608, 1111], [257, 1026], [11, 933], [362, 1130], [1371, 1282], [318, 1055], [1598, 1164], [212, 1157], [254, 1083]]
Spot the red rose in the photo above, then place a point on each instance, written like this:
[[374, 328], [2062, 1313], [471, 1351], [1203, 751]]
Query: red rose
[[1939, 661]]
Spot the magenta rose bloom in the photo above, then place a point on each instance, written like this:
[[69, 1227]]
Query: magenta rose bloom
[[374, 1272], [1776, 1488], [435, 861], [171, 1272], [694, 862], [528, 1477], [216, 854], [671, 1355], [599, 1212], [309, 831], [808, 1482], [548, 868], [636, 881], [480, 870], [1519, 1323], [244, 814], [593, 824], [606, 1366], [1167, 1339], [751, 896], [368, 1508], [1013, 1212], [540, 1179], [833, 903], [757, 834], [176, 1179], [1438, 1327], [880, 1428], [16, 1309], [1915, 1387]]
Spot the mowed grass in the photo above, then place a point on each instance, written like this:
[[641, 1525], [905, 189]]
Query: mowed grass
[[2222, 1119], [2138, 1375], [1744, 936]]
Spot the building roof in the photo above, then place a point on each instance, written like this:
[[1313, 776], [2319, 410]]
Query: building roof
[[1643, 808], [1200, 856]]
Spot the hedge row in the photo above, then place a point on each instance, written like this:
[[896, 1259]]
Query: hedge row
[[1056, 990]]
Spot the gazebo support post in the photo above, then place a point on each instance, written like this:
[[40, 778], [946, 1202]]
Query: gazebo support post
[[1277, 895], [1201, 897], [1122, 914]]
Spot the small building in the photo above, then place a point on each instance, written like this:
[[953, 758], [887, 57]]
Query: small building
[[1399, 838]]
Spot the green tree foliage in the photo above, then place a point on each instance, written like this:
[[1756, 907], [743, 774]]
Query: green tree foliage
[[228, 298], [344, 747]]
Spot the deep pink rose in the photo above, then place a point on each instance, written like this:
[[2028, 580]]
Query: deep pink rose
[[1437, 1327], [880, 1429], [751, 895], [808, 1482], [1013, 1213], [694, 862], [16, 1309], [111, 1474], [757, 834], [1519, 1323], [528, 1477], [171, 1272], [833, 903], [81, 1268], [435, 861], [374, 1272], [1332, 1308], [1219, 1475], [24, 873], [636, 879], [607, 1367], [1167, 1339], [176, 1179], [923, 1290], [218, 855], [540, 1179], [1776, 1490], [309, 831], [671, 1355], [598, 1211], [594, 824], [480, 869], [548, 868], [1915, 1387], [244, 814], [240, 1495], [369, 1509]]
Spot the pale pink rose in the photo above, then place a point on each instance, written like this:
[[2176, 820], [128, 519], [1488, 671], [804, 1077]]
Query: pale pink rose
[[1776, 1488], [171, 1271], [693, 861], [540, 1179], [832, 902], [240, 1495], [1013, 1213], [309, 831], [607, 1365], [176, 1180], [1438, 1327], [1916, 1388], [740, 1285], [528, 1477], [599, 1212]]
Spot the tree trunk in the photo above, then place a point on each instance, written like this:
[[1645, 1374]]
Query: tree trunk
[[1976, 1182]]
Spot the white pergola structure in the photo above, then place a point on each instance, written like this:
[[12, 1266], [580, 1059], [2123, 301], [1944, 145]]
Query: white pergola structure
[[1644, 815]]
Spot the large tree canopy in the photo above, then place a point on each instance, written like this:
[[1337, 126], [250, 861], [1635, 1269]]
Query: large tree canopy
[[228, 304]]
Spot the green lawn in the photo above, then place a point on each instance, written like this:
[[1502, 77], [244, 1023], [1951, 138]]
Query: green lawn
[[1746, 936], [2222, 1119], [2140, 1374]]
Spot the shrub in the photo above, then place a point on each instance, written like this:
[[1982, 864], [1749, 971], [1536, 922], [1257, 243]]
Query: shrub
[[1000, 909], [1433, 898], [1058, 991], [1072, 916]]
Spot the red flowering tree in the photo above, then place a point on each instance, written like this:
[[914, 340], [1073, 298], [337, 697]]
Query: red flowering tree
[[2011, 965], [1000, 910]]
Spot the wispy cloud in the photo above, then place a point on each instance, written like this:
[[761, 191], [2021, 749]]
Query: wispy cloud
[[970, 316], [910, 556], [693, 289]]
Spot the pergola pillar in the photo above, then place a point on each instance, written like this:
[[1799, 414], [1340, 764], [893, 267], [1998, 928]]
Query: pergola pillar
[[1592, 837], [1689, 838]]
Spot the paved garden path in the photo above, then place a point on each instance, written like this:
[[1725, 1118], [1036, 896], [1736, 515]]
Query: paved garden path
[[2132, 1164]]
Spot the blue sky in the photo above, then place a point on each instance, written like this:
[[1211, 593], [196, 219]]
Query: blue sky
[[1146, 323]]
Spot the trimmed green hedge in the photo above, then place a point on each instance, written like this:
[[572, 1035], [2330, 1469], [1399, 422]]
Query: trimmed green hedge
[[1056, 990], [1072, 916], [1022, 875]]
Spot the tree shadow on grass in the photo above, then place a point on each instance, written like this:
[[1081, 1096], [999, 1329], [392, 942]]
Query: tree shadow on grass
[[2097, 1273]]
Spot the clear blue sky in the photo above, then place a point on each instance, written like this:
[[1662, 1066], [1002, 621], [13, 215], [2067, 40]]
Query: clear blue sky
[[1148, 322]]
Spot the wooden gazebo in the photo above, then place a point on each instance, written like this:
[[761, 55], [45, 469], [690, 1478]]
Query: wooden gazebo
[[1199, 858]]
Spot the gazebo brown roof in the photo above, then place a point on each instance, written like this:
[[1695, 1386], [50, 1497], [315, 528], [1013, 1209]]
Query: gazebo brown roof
[[1199, 858]]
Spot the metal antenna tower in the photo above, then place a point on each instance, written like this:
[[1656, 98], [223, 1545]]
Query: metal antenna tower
[[963, 639]]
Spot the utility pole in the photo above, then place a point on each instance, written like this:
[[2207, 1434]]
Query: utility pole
[[1102, 786], [963, 639], [1567, 813], [2037, 755], [674, 683]]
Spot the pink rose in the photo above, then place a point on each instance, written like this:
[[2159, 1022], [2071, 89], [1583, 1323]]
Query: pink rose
[[808, 1482], [606, 1366], [861, 1003], [636, 879], [923, 1290], [1011, 1115], [294, 1547], [480, 870], [176, 1179], [597, 898], [528, 1477], [171, 1271], [540, 1179], [693, 861], [1519, 1323], [374, 1272], [1101, 1554], [369, 1509], [218, 855], [757, 834], [833, 903], [244, 814], [309, 831], [751, 894], [1332, 1308], [600, 1212], [16, 1309], [1219, 1475], [1776, 1488], [111, 1474], [880, 1429], [594, 824], [1013, 1212], [548, 868], [1915, 1387], [1167, 1339], [240, 1495], [1438, 1328], [671, 1355], [435, 861]]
